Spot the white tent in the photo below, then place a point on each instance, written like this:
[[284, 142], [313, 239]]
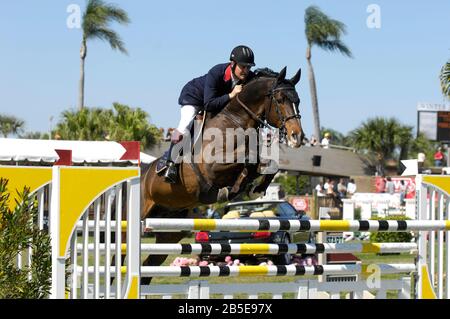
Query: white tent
[[82, 151]]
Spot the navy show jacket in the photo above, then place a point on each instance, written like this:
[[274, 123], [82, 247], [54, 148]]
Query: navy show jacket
[[210, 91]]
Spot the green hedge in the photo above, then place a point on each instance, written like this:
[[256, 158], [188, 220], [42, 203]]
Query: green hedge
[[390, 237]]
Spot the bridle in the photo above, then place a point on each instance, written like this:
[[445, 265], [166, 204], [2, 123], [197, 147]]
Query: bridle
[[276, 88]]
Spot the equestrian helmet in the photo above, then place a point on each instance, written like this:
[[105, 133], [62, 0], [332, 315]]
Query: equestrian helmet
[[243, 55]]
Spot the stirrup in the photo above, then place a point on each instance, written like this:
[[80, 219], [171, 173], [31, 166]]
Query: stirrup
[[170, 174]]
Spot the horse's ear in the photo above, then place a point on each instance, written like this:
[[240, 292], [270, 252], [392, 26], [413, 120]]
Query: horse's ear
[[282, 75], [296, 77]]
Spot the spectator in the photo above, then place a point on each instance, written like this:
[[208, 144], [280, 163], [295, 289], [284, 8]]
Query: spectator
[[326, 140], [390, 186], [402, 193], [420, 161], [382, 184], [319, 190], [351, 187], [326, 185], [341, 189], [439, 158], [330, 189]]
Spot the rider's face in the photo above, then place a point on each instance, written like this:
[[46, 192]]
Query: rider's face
[[241, 71]]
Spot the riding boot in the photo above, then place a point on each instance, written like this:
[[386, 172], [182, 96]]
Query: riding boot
[[171, 173]]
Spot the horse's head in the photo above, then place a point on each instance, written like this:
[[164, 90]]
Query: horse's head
[[283, 111]]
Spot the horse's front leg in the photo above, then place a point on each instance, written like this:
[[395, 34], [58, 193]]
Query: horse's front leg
[[260, 189], [247, 175]]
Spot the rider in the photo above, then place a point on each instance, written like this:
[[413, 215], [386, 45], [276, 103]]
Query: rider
[[210, 92]]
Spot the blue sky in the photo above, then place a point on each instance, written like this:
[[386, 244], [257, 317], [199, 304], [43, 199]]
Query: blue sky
[[173, 41]]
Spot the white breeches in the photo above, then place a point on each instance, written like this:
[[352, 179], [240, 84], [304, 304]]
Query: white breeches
[[188, 113]]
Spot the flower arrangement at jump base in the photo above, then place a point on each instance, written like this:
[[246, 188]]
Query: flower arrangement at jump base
[[309, 260]]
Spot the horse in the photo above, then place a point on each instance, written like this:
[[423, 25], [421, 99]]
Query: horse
[[267, 99]]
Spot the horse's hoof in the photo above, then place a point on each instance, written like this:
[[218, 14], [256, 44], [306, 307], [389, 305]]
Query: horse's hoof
[[222, 195]]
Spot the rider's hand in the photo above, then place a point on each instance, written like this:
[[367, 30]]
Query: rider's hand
[[237, 89]]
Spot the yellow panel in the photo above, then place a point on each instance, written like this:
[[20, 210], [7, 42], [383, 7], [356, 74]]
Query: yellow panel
[[442, 182], [253, 270], [335, 225], [79, 187], [204, 224], [254, 248], [133, 292], [19, 177], [427, 288]]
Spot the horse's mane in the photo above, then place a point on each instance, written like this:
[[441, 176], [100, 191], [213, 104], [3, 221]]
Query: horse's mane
[[265, 72]]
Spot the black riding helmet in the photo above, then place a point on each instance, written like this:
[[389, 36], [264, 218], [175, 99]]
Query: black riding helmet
[[243, 55]]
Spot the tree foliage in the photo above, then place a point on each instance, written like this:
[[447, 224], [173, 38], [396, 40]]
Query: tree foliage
[[10, 125], [324, 32], [18, 233], [289, 184], [121, 123], [96, 20]]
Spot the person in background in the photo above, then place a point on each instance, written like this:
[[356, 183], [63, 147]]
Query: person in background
[[341, 189], [421, 157], [326, 185], [330, 189], [326, 140], [351, 187], [402, 192], [319, 190], [438, 158], [381, 183], [390, 186]]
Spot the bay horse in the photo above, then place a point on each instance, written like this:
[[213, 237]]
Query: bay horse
[[268, 98]]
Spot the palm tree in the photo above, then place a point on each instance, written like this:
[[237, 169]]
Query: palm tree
[[325, 33], [10, 125], [445, 80], [96, 21], [121, 123], [385, 138]]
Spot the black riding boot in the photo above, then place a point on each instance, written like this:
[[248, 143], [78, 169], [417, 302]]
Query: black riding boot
[[171, 173]]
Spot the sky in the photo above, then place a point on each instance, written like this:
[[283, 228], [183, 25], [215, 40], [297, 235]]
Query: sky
[[170, 42]]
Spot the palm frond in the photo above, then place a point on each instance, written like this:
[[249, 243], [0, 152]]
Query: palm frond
[[111, 37], [325, 32], [335, 45], [445, 80], [97, 19]]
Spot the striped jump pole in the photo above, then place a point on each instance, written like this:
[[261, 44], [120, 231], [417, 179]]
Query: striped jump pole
[[289, 270], [246, 271], [264, 249], [249, 225]]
